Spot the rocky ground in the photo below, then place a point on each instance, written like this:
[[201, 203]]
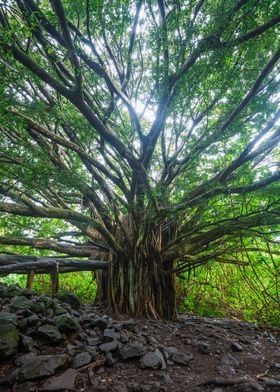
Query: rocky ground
[[54, 344]]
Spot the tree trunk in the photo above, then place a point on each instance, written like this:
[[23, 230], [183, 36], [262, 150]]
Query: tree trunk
[[138, 286]]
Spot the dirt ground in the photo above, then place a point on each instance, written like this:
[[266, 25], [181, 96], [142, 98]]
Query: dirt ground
[[227, 356]]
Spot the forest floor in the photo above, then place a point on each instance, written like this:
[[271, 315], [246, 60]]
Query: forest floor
[[108, 353]]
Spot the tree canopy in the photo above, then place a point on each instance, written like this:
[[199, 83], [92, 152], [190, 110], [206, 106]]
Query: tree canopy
[[145, 133]]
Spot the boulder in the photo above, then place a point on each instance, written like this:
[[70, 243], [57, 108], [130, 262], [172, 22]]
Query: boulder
[[43, 366], [111, 346], [150, 361], [9, 340], [19, 303], [66, 323], [11, 291], [8, 318], [50, 333], [26, 343], [70, 298], [99, 322], [181, 358], [132, 350], [66, 381]]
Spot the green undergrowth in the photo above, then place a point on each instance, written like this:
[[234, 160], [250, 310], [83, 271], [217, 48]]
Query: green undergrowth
[[81, 283], [222, 290]]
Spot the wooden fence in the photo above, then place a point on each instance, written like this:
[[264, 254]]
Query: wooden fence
[[32, 265]]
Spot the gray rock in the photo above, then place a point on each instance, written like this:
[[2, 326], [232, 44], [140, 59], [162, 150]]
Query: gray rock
[[226, 370], [109, 335], [70, 298], [9, 340], [93, 341], [235, 346], [81, 359], [130, 325], [150, 361], [43, 366], [66, 381], [132, 350], [8, 318], [66, 323], [32, 320], [159, 354], [109, 359], [58, 309], [26, 343], [111, 346], [50, 333], [23, 358], [99, 322], [228, 359], [11, 291], [181, 358], [169, 351], [19, 303]]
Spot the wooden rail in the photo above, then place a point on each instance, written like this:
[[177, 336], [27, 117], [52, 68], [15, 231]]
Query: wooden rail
[[32, 265]]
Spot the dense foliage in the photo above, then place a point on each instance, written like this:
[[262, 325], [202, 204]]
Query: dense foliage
[[145, 132]]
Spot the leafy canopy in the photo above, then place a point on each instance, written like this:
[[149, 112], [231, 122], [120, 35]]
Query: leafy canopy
[[159, 113]]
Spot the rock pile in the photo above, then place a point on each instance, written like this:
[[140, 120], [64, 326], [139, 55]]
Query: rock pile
[[42, 336]]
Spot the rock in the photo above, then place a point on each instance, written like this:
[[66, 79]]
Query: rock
[[181, 358], [109, 359], [50, 333], [132, 350], [93, 341], [228, 359], [9, 340], [235, 346], [124, 338], [23, 358], [130, 325], [41, 304], [226, 370], [8, 318], [58, 309], [99, 322], [150, 361], [42, 366], [32, 320], [159, 354], [109, 335], [66, 381], [25, 387], [111, 346], [26, 343], [66, 323], [19, 303], [169, 351], [152, 341], [203, 348], [70, 298], [11, 291], [81, 359]]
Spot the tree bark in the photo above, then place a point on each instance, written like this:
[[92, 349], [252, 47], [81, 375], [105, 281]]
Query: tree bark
[[139, 286]]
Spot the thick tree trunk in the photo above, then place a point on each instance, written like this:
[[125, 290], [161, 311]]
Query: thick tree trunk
[[138, 286]]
